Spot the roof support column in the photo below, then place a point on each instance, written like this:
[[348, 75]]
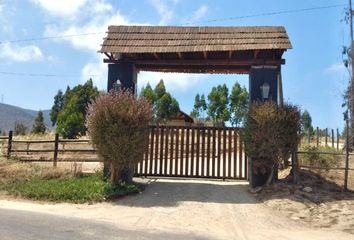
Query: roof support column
[[125, 73], [261, 78]]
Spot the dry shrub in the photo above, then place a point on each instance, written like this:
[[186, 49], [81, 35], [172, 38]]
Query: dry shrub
[[117, 123], [271, 133]]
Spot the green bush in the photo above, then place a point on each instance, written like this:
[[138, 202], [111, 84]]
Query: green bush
[[271, 133], [117, 123], [313, 157]]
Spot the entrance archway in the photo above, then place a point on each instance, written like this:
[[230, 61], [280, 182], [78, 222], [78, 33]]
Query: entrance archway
[[256, 51]]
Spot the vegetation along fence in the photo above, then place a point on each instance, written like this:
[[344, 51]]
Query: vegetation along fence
[[172, 151]]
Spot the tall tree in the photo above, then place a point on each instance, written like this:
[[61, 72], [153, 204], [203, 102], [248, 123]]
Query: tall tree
[[238, 104], [306, 122], [38, 125], [57, 106], [200, 106], [71, 117], [218, 109], [164, 105], [148, 93]]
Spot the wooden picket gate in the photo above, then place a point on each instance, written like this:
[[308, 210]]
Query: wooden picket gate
[[194, 152]]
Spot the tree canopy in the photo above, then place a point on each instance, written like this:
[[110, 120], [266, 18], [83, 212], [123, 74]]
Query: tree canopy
[[69, 109], [38, 125], [238, 104], [218, 109]]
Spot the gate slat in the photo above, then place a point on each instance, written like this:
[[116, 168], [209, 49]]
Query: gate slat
[[202, 173], [235, 153], [146, 157], [182, 151], [171, 152], [177, 150], [229, 132], [197, 153], [213, 154], [166, 150], [240, 156], [192, 151], [224, 154], [208, 153], [187, 152], [157, 133], [162, 133], [151, 149], [218, 152]]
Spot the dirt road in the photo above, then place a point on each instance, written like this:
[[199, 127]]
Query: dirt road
[[186, 209]]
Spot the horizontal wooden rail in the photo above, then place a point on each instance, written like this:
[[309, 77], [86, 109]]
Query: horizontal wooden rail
[[74, 140], [32, 150], [33, 141]]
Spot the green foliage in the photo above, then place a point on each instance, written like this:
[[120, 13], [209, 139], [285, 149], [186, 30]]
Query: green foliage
[[238, 104], [38, 125], [164, 105], [270, 134], [200, 106], [71, 116], [81, 189], [148, 94], [57, 107], [306, 123], [313, 157], [117, 123], [218, 109], [20, 128]]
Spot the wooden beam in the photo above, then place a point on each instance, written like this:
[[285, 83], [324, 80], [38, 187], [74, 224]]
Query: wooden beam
[[109, 55], [207, 62], [230, 54], [194, 69], [205, 54], [180, 56], [255, 54], [156, 56]]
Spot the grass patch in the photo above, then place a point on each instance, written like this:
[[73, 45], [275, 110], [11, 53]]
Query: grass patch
[[48, 184]]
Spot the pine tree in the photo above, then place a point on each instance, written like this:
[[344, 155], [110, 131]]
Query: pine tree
[[38, 125]]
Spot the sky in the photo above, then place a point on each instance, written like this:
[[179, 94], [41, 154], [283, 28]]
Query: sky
[[32, 70]]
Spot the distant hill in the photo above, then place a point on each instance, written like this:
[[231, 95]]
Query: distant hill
[[10, 114]]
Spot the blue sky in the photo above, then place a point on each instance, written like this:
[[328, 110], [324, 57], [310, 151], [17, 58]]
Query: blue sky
[[313, 76]]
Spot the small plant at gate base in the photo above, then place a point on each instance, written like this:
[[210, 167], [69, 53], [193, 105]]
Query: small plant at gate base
[[117, 123], [271, 133]]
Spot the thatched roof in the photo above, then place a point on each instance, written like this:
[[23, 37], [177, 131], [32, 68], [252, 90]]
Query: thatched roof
[[156, 39]]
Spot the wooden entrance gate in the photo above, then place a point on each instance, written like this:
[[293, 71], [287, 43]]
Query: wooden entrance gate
[[194, 152]]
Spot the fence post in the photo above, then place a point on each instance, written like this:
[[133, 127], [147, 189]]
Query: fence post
[[317, 137], [326, 139], [337, 139], [9, 145], [56, 144], [332, 138], [346, 157]]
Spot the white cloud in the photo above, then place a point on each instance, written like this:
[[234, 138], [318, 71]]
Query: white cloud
[[97, 71], [199, 13], [173, 81], [164, 11], [61, 7], [336, 68], [20, 54]]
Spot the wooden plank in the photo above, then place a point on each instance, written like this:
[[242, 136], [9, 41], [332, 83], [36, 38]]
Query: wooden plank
[[219, 153], [172, 132], [208, 153], [33, 141], [229, 150], [177, 151], [187, 152], [202, 173], [151, 149], [56, 145], [224, 147], [162, 133], [192, 151], [146, 155], [182, 151], [197, 153], [240, 155], [213, 172], [235, 153], [167, 131], [157, 134]]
